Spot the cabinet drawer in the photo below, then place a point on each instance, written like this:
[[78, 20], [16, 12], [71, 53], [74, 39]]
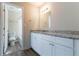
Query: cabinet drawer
[[64, 41], [62, 50], [47, 37]]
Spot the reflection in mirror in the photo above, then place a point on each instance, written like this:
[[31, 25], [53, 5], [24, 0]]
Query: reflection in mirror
[[45, 21]]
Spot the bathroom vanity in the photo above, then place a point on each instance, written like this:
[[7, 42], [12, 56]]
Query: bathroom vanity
[[55, 44]]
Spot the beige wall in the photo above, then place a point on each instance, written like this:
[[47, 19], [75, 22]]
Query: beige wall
[[34, 18], [29, 15]]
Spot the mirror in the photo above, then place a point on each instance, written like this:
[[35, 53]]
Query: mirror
[[45, 21]]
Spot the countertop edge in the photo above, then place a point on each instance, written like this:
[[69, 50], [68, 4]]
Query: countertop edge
[[69, 36]]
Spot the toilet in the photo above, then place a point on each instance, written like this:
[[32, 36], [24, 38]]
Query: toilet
[[12, 39]]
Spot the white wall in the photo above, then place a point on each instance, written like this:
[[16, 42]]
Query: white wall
[[76, 17], [65, 16], [13, 24]]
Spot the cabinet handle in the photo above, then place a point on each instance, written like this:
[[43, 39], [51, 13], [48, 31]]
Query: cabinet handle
[[51, 44]]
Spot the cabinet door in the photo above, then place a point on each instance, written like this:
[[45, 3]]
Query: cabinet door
[[63, 51], [52, 49], [45, 48], [35, 42], [76, 47]]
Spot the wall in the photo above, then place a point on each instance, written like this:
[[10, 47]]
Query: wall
[[29, 14], [64, 16], [76, 17], [12, 21], [34, 18]]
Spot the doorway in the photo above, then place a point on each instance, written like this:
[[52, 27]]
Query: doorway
[[13, 29]]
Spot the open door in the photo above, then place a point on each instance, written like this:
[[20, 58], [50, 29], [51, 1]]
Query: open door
[[6, 28], [1, 28], [12, 25]]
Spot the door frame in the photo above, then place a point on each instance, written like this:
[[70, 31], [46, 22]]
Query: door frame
[[5, 28], [2, 25], [2, 29], [17, 6], [22, 18]]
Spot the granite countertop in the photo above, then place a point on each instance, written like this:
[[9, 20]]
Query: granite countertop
[[63, 34]]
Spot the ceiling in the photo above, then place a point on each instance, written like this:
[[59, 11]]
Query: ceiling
[[38, 4]]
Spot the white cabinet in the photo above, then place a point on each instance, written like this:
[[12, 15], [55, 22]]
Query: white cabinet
[[47, 45], [63, 51], [52, 46], [41, 46], [35, 44], [64, 41], [59, 50], [76, 47], [45, 48]]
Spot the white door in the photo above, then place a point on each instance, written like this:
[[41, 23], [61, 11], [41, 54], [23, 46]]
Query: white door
[[1, 28], [13, 24], [6, 28]]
